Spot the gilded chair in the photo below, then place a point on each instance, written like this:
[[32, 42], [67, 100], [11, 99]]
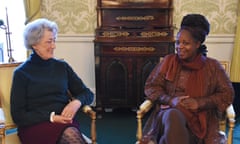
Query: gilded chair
[[147, 105], [8, 130]]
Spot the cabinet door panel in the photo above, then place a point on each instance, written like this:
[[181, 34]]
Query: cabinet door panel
[[115, 83]]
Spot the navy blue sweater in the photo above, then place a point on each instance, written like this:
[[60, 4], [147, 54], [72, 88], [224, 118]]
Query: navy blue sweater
[[40, 87]]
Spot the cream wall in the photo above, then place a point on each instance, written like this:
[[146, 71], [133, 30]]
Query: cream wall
[[79, 52], [77, 22]]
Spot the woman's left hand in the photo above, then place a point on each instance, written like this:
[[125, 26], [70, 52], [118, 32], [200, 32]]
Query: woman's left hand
[[71, 108]]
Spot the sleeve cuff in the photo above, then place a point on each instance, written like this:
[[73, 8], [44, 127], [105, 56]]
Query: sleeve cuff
[[51, 116]]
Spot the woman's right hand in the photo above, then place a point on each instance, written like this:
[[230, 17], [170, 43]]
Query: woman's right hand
[[62, 119]]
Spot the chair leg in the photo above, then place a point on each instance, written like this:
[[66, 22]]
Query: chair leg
[[2, 135], [3, 139], [230, 131], [139, 127], [93, 131], [92, 114]]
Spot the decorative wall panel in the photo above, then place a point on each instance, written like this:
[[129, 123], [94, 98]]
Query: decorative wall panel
[[72, 16], [222, 14], [79, 16]]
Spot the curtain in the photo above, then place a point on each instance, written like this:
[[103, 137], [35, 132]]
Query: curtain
[[235, 64], [32, 12]]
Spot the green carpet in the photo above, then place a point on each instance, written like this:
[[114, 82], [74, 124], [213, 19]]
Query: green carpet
[[119, 127], [116, 127]]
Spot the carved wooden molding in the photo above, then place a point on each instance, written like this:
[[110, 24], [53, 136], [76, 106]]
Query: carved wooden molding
[[154, 34], [149, 34], [115, 34], [135, 18], [134, 49], [135, 1]]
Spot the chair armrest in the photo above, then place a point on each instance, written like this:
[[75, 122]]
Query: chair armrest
[[90, 112], [3, 124], [143, 109], [231, 113], [145, 106], [2, 117]]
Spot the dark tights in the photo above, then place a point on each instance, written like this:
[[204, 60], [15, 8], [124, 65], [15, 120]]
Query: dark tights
[[71, 135]]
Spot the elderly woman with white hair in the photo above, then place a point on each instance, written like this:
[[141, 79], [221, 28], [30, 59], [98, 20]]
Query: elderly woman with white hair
[[40, 105]]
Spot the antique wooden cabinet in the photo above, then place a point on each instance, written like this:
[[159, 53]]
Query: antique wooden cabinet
[[131, 37]]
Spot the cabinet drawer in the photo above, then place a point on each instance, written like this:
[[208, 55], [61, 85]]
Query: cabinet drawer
[[135, 18], [134, 49]]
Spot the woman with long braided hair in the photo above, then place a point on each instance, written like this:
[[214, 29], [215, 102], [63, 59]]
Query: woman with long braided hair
[[189, 89]]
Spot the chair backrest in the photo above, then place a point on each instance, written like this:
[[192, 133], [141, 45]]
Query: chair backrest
[[6, 73]]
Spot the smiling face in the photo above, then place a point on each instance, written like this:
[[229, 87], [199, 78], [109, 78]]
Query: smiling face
[[45, 47], [186, 45]]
